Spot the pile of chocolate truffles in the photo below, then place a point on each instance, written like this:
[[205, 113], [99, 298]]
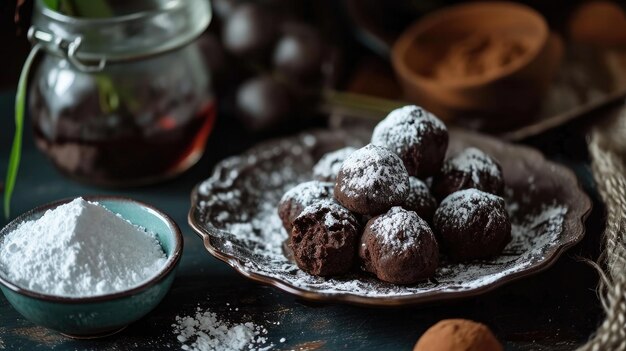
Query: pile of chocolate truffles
[[389, 208]]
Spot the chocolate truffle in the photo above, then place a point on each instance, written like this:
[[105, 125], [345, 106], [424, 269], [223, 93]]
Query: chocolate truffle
[[472, 224], [420, 200], [471, 168], [458, 335], [327, 168], [371, 180], [399, 247], [418, 137], [301, 196], [324, 239]]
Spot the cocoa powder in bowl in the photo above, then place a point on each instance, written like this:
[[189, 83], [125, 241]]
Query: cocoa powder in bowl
[[483, 60]]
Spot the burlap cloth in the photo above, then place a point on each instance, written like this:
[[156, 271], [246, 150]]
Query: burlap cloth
[[607, 148]]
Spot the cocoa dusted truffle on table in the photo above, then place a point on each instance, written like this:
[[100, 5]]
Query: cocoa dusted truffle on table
[[458, 335], [324, 239], [371, 180], [327, 168], [301, 196], [470, 168], [418, 137], [399, 247], [420, 200], [472, 224]]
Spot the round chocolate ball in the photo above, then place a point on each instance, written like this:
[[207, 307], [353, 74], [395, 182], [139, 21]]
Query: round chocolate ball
[[472, 224], [324, 239], [420, 200], [418, 137], [250, 30], [470, 168], [371, 180], [458, 335], [302, 195], [298, 52], [399, 247], [262, 103], [327, 168]]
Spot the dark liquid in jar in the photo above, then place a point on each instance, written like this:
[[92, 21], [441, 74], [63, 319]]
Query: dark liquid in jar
[[132, 158]]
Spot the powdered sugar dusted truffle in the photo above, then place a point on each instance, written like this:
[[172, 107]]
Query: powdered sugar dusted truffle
[[472, 224], [301, 196], [399, 247], [327, 168], [324, 239], [470, 168], [420, 200], [418, 137], [371, 180]]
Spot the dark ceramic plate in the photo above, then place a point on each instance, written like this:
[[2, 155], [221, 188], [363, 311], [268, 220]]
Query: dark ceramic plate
[[234, 212]]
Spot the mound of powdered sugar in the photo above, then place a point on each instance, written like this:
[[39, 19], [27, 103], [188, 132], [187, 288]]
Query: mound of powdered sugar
[[80, 249]]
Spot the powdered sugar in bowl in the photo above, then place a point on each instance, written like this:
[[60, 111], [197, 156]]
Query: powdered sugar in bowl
[[113, 262]]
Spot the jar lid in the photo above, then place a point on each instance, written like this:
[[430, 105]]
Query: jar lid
[[147, 28]]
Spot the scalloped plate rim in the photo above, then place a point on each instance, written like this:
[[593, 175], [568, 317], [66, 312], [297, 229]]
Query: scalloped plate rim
[[398, 300]]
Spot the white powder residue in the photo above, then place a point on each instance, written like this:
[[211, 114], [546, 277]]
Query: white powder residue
[[334, 214], [462, 206], [419, 195], [473, 161], [404, 127], [204, 331], [80, 249], [328, 166], [255, 235], [373, 167], [308, 193], [399, 220]]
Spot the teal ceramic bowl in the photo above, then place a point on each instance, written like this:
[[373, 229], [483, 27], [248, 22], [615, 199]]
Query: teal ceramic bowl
[[95, 316]]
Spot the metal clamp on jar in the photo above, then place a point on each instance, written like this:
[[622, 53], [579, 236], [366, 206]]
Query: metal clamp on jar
[[122, 99]]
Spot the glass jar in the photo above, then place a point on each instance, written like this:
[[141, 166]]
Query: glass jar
[[122, 100]]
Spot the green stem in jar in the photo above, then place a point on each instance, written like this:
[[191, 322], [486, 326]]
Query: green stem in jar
[[16, 148], [107, 95], [358, 105]]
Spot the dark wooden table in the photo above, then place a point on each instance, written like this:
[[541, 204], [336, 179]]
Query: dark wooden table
[[553, 310]]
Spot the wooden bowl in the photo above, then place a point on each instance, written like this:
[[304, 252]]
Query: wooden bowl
[[510, 89]]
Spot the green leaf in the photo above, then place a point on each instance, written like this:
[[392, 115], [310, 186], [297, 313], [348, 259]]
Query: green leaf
[[16, 149], [52, 4]]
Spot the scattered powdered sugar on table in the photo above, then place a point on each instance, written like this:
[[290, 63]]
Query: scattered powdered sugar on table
[[80, 249], [473, 161], [328, 166], [205, 331], [254, 233]]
